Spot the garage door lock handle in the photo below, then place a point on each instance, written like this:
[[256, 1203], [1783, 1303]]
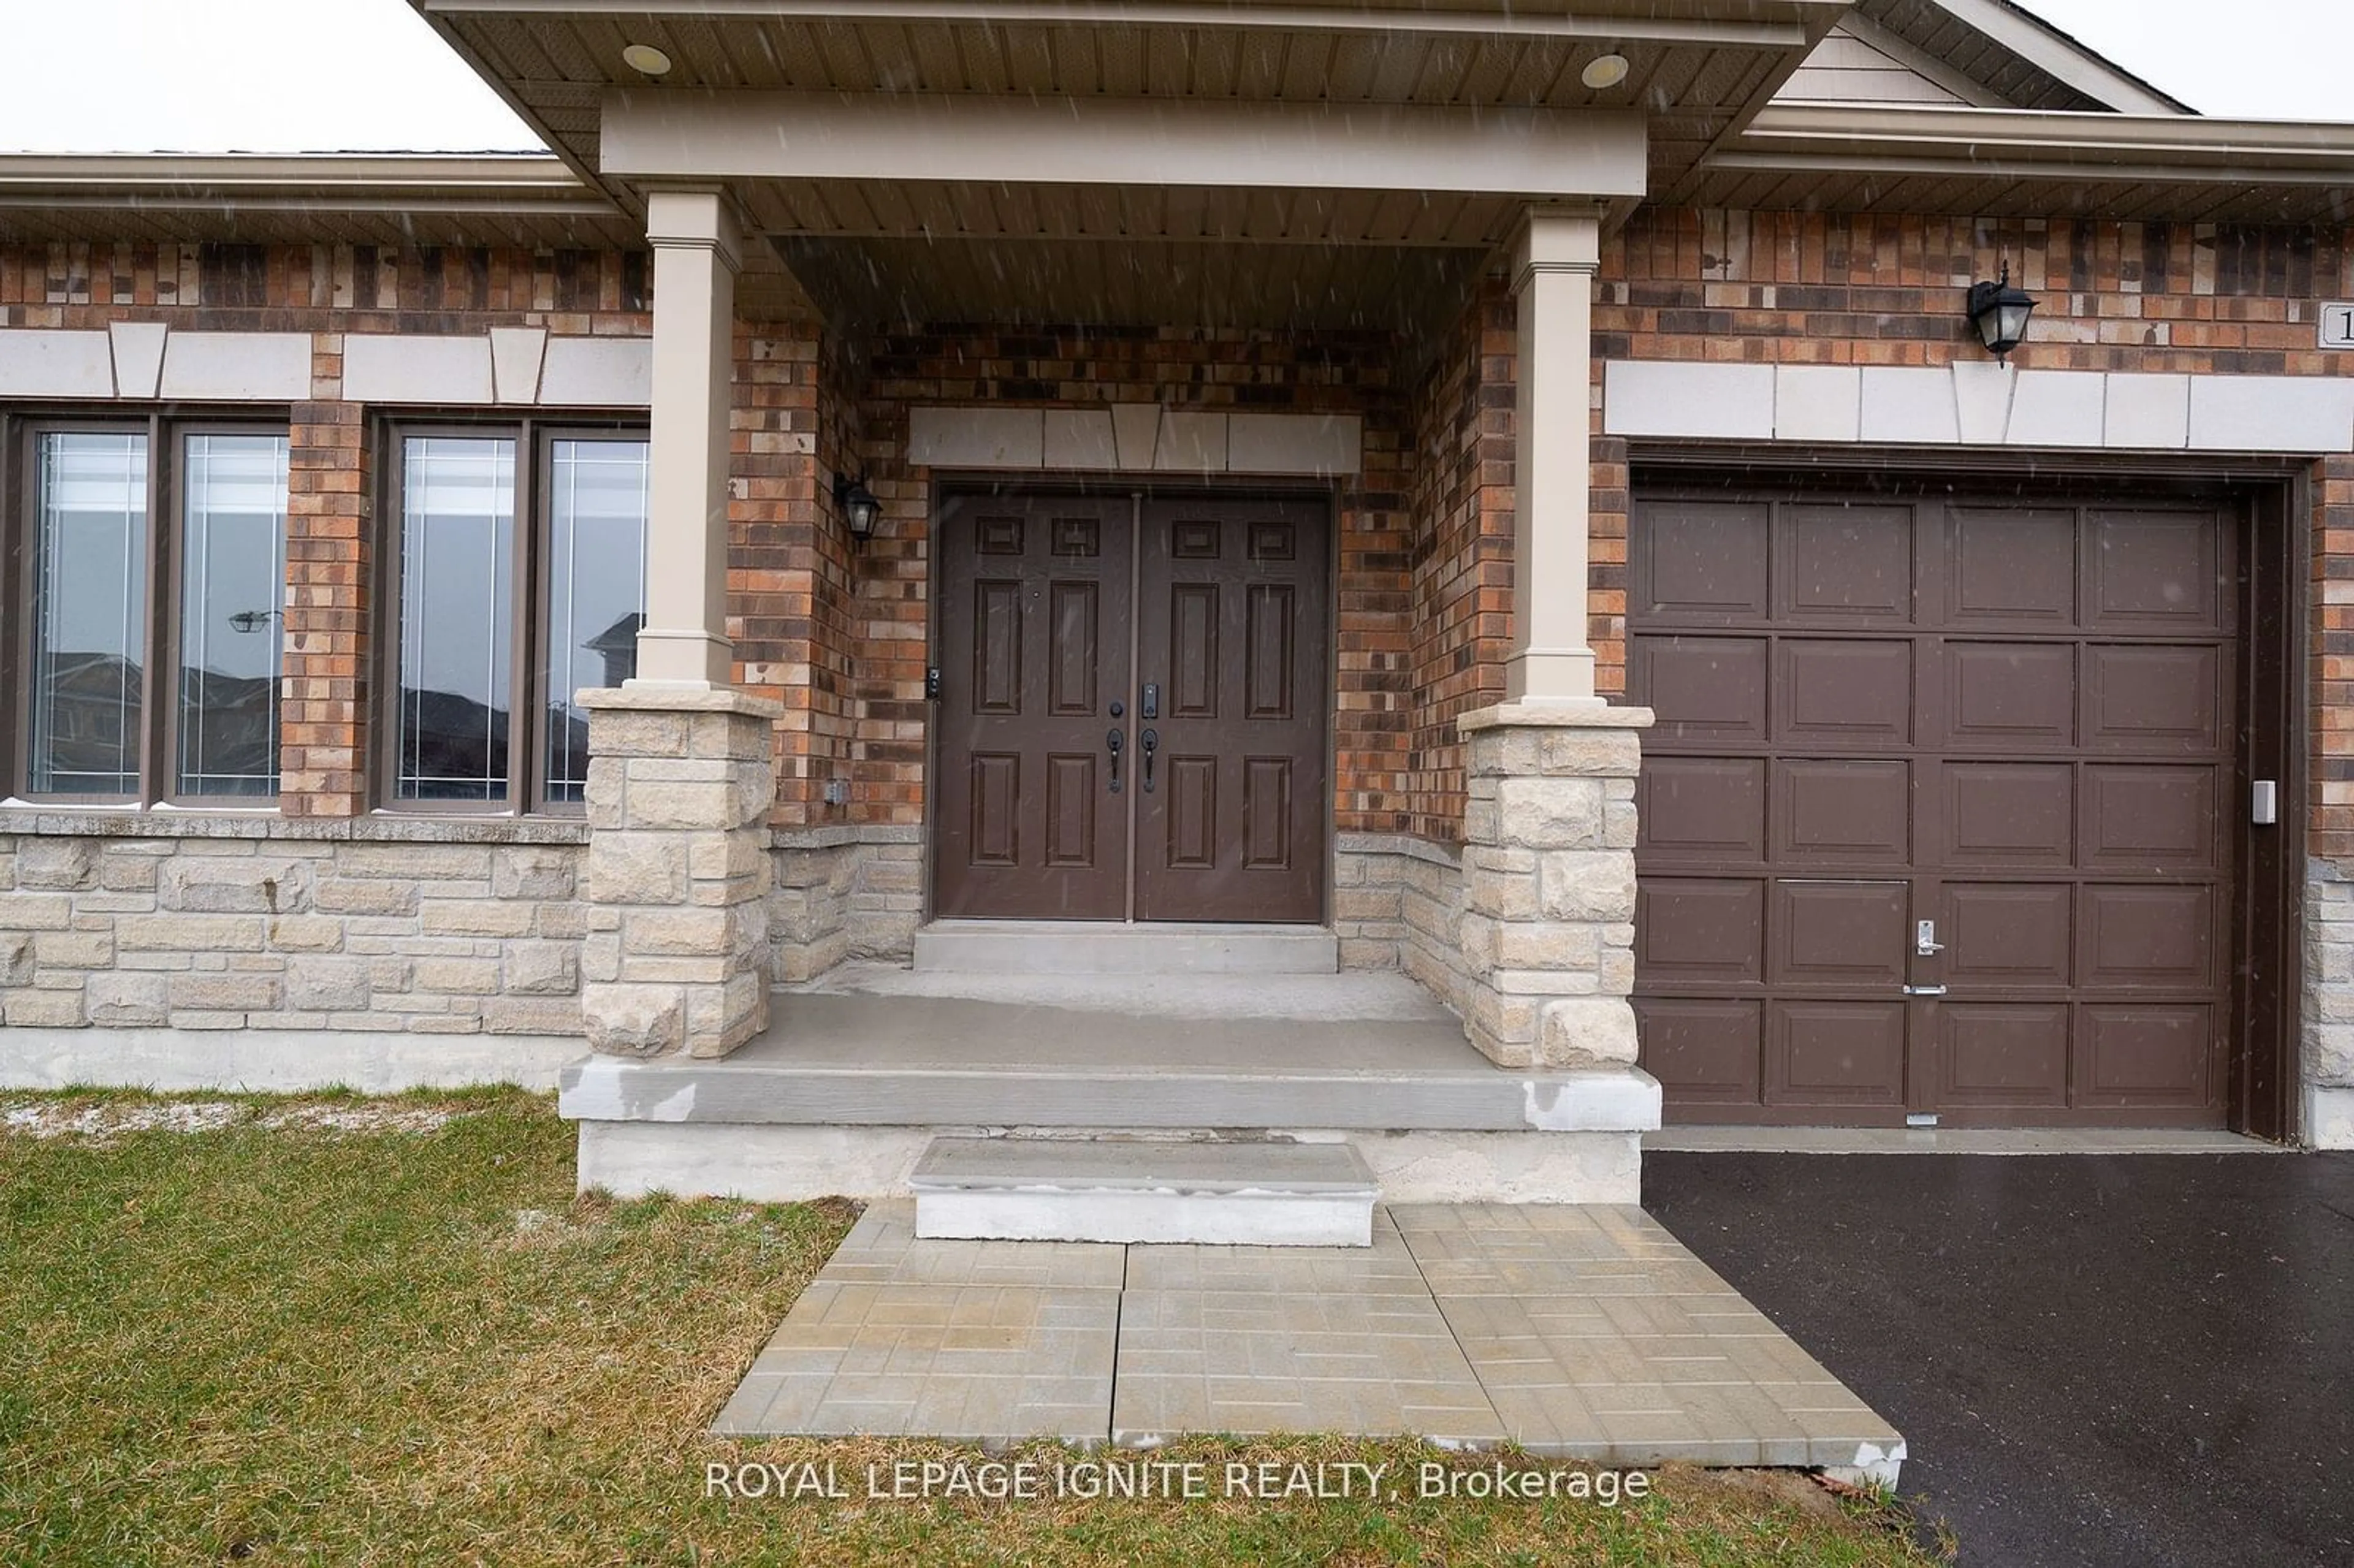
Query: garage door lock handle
[[1924, 990]]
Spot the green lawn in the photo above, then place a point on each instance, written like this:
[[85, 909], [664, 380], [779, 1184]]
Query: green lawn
[[278, 1343]]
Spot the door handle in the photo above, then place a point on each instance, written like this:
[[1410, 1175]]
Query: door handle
[[1924, 990], [1151, 740], [1114, 739]]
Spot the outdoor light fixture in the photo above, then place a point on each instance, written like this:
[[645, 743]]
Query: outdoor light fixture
[[1604, 70], [857, 505], [2000, 313], [645, 59]]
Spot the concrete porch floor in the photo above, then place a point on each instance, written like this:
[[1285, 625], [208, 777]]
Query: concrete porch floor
[[1579, 1331]]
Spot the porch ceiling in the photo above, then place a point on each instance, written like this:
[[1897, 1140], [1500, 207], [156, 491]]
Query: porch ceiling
[[1698, 67], [896, 284]]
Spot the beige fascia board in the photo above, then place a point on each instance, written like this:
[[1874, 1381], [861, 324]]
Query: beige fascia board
[[439, 183], [1541, 154], [2031, 145], [2061, 58], [306, 171], [1777, 23]]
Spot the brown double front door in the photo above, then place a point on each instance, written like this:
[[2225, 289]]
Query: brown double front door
[[1132, 708], [1938, 816]]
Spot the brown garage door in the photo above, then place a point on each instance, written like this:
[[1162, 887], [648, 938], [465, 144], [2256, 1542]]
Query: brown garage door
[[1935, 817]]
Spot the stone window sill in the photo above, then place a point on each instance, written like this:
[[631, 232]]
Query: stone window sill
[[119, 822]]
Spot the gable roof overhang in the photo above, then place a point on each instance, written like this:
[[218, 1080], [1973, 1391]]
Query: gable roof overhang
[[2015, 56], [389, 199], [1997, 163]]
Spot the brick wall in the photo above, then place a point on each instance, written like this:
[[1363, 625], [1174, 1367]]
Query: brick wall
[[836, 633], [1461, 562], [1260, 371]]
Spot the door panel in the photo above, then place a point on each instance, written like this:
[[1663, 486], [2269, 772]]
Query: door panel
[[1033, 640], [1039, 597], [2013, 719], [1233, 787]]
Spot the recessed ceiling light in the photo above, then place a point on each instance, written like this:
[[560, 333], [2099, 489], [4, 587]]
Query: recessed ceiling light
[[652, 62], [1604, 70]]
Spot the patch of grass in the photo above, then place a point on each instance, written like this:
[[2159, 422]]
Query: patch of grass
[[277, 1346]]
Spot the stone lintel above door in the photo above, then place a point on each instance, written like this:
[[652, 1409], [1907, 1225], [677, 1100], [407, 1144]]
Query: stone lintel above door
[[1136, 438]]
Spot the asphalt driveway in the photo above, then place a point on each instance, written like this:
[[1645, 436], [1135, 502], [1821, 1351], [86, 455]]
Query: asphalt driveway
[[2112, 1358]]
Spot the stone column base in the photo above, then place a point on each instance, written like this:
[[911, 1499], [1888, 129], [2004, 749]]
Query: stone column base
[[680, 785], [1548, 927]]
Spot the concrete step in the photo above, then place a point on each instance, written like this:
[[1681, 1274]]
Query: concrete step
[[1137, 1190], [1110, 947]]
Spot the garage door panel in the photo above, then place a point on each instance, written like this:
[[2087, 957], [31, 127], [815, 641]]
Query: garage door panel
[[1699, 561], [2006, 936], [1704, 1052], [2007, 568], [2153, 698], [1690, 929], [1850, 935], [1835, 1053], [2153, 938], [2008, 814], [1840, 814], [1707, 810], [2148, 1053], [2010, 697], [2002, 1054], [1848, 694], [1844, 565], [2152, 571], [1702, 688], [2012, 713], [2152, 818]]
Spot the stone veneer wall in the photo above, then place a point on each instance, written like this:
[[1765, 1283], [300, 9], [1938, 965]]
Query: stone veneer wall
[[115, 921], [2329, 1035], [1397, 904], [112, 920], [843, 893]]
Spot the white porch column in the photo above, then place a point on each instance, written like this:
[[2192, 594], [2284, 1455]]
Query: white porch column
[[683, 642], [1553, 285]]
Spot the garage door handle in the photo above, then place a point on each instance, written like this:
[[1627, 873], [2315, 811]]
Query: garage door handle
[[1924, 990]]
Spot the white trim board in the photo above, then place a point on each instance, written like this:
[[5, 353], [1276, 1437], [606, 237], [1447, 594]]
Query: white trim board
[[1978, 404], [143, 361], [1138, 438]]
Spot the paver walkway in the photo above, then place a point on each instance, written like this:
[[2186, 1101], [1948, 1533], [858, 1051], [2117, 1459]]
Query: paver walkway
[[1583, 1332]]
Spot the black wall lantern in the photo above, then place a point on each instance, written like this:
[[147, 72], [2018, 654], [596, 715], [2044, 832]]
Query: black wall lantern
[[857, 505], [2000, 313]]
